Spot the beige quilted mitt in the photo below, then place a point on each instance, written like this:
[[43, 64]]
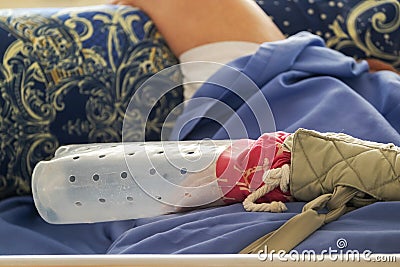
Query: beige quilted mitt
[[322, 161]]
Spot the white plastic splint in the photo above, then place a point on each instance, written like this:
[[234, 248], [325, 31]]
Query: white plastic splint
[[107, 182]]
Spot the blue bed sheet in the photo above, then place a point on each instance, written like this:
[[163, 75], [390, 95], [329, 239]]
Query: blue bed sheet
[[227, 229], [306, 85], [214, 230]]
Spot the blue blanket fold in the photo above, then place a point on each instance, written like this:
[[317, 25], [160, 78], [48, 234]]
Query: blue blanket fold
[[306, 85], [24, 232]]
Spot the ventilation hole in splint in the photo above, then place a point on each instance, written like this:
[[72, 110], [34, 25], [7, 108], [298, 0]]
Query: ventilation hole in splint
[[72, 178], [102, 156], [129, 198], [131, 154], [160, 152], [190, 152], [158, 197], [124, 175], [75, 158], [95, 177], [102, 200], [78, 203], [183, 171], [152, 171]]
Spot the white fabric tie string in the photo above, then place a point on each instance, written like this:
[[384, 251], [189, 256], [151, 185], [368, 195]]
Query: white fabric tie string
[[272, 179]]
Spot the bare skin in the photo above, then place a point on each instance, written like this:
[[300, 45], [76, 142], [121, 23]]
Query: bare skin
[[186, 24], [377, 65]]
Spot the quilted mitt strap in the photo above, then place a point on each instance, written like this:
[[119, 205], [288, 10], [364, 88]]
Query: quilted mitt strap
[[304, 224]]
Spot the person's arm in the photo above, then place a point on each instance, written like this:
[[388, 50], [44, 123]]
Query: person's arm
[[378, 65], [186, 24]]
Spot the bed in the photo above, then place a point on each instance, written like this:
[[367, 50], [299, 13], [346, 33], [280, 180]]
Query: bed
[[61, 66]]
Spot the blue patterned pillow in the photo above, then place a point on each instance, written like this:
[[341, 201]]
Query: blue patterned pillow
[[67, 76], [358, 28]]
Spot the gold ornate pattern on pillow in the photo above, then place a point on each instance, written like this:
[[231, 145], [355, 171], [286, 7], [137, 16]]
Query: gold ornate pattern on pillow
[[357, 28], [67, 76], [370, 41]]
